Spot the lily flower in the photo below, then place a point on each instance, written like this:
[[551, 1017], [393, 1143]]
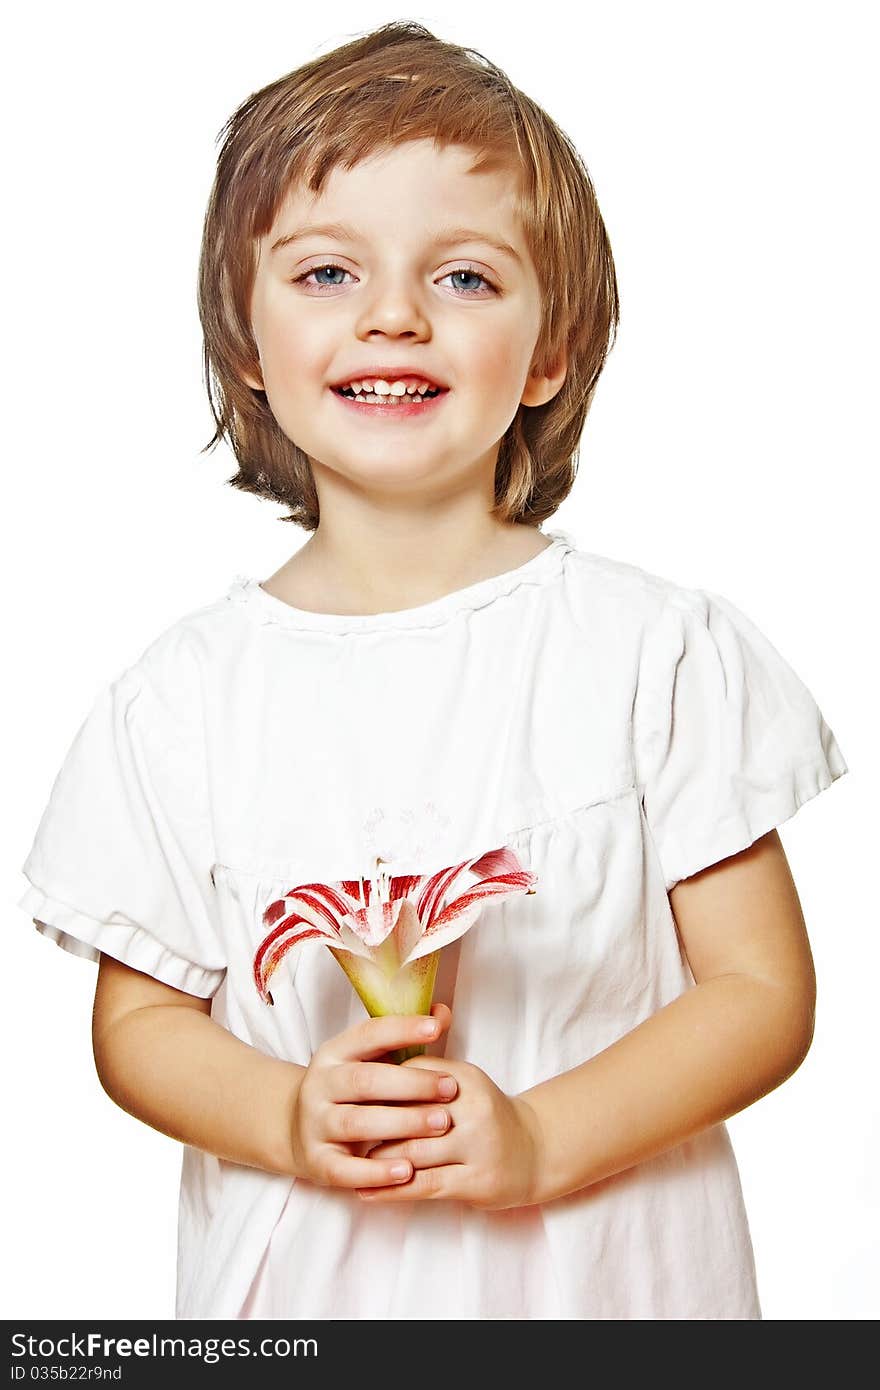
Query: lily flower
[[386, 932]]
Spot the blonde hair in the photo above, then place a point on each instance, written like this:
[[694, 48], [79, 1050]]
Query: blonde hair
[[398, 83]]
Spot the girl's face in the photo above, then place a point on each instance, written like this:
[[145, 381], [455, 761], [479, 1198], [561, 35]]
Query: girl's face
[[413, 283]]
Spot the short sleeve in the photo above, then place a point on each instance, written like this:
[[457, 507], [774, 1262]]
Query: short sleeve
[[122, 858], [728, 741]]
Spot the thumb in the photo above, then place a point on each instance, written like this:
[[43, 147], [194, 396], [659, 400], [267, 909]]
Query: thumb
[[442, 1013]]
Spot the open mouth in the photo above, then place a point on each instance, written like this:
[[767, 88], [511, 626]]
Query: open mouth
[[370, 397], [408, 406]]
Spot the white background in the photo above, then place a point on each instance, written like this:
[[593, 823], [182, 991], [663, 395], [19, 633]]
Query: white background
[[732, 445]]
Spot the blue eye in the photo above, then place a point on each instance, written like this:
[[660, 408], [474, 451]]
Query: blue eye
[[322, 285], [474, 274], [316, 270]]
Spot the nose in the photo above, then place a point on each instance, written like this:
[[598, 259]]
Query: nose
[[393, 307]]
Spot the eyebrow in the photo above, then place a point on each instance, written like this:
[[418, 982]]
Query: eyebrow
[[447, 236]]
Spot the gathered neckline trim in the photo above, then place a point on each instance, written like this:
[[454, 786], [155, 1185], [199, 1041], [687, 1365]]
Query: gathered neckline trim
[[246, 589]]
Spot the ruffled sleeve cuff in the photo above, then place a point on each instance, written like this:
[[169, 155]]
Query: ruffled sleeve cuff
[[86, 936]]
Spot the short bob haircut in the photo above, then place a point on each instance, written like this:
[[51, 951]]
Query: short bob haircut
[[398, 83]]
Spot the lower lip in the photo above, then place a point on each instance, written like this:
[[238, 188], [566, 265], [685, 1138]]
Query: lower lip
[[408, 411]]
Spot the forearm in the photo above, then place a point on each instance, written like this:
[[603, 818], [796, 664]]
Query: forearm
[[184, 1074], [706, 1055]]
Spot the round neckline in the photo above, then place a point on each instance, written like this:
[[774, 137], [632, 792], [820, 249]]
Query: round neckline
[[545, 564]]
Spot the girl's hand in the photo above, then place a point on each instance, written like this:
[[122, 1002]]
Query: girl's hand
[[349, 1099], [489, 1157]]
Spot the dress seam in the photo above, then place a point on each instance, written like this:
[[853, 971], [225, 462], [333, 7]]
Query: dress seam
[[278, 870]]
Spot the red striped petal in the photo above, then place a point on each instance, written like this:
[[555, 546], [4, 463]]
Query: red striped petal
[[501, 886], [272, 950], [429, 900], [372, 924], [402, 885], [321, 900], [353, 887]]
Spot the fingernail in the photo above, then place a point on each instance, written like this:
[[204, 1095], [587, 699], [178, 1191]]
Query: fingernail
[[447, 1087], [438, 1119], [428, 1028], [399, 1170]]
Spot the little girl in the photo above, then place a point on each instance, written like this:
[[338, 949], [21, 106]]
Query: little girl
[[442, 733]]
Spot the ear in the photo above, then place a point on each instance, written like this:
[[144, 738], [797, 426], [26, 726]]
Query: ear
[[254, 382], [540, 389]]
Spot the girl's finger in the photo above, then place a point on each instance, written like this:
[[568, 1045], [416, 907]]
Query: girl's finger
[[425, 1185], [427, 1152], [385, 1081], [343, 1170], [351, 1123], [443, 1013], [376, 1036]]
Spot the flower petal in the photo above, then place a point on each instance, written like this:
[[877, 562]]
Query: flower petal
[[403, 885], [322, 903], [502, 886], [506, 876], [449, 931], [408, 930], [430, 897], [499, 861], [376, 921], [317, 906], [350, 941], [272, 950], [400, 886], [360, 889]]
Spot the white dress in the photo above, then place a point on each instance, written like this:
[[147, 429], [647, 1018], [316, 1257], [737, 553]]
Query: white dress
[[616, 730]]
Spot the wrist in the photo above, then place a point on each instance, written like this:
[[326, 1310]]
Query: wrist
[[287, 1159], [531, 1124]]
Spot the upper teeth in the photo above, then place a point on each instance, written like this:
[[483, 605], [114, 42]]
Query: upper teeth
[[389, 388]]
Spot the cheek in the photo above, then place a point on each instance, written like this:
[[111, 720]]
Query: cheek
[[285, 369], [497, 364], [290, 349], [285, 352]]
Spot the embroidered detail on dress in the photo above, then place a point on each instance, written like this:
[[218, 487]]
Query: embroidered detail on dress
[[404, 834]]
